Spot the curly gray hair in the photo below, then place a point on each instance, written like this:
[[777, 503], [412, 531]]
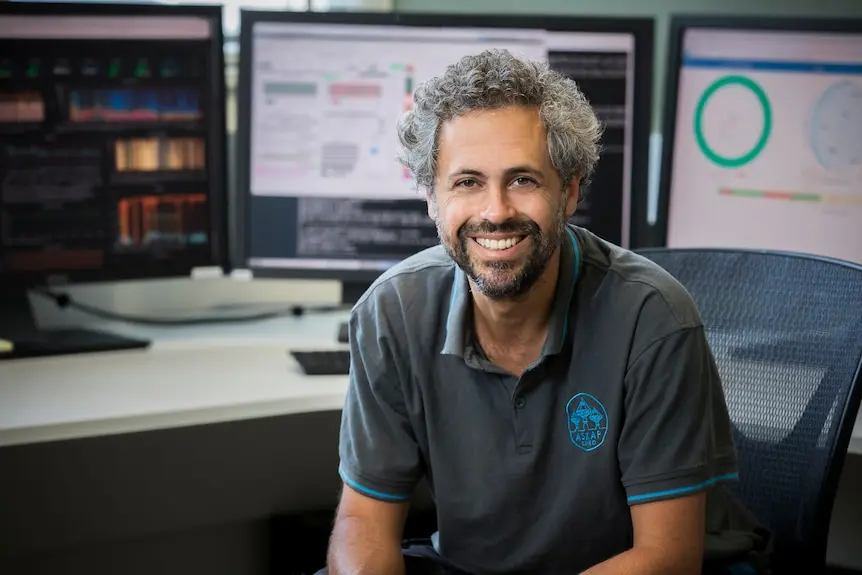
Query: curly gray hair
[[495, 79]]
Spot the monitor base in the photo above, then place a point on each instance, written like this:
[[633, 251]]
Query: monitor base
[[21, 337], [352, 291]]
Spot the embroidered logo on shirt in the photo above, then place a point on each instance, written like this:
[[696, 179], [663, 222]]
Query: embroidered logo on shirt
[[587, 420]]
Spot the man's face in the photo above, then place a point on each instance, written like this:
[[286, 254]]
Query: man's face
[[499, 205]]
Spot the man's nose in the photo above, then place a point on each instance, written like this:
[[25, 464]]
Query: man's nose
[[498, 207]]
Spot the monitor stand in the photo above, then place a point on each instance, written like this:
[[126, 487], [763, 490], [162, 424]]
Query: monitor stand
[[21, 337], [352, 291]]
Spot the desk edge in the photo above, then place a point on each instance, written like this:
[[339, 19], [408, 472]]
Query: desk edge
[[333, 401]]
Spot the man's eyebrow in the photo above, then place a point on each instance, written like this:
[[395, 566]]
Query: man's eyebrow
[[524, 169], [466, 172], [509, 172]]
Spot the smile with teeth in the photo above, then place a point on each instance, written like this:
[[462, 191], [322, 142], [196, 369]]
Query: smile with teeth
[[501, 244]]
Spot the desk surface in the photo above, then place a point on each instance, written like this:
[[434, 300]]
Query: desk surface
[[189, 376]]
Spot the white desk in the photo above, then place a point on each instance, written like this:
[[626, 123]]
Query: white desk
[[190, 375]]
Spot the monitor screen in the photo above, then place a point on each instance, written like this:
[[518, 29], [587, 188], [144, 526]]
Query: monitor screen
[[767, 142], [324, 192], [111, 143]]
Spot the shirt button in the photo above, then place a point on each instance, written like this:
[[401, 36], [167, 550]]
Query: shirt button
[[520, 402]]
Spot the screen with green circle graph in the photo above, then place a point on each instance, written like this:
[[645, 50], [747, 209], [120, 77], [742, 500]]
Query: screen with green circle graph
[[768, 142]]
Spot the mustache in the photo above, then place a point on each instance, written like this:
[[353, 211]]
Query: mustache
[[519, 226]]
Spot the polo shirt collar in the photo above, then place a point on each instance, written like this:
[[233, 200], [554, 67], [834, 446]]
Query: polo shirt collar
[[460, 303]]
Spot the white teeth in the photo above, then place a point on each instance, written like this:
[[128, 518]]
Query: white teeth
[[497, 244]]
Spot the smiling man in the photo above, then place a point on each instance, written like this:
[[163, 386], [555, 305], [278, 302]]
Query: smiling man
[[556, 391]]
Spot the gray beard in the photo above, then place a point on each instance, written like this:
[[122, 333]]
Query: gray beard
[[498, 280]]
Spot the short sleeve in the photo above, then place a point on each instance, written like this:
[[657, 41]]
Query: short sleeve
[[379, 454], [676, 438]]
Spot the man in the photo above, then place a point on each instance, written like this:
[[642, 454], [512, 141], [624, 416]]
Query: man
[[556, 392]]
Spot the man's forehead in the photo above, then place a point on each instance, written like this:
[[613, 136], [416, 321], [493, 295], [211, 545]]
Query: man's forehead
[[493, 142], [507, 119]]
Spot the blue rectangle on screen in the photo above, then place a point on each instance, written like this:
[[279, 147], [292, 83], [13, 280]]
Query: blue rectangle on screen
[[774, 65]]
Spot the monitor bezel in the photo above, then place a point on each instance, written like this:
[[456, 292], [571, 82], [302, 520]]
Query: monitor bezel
[[216, 155], [679, 24], [641, 29]]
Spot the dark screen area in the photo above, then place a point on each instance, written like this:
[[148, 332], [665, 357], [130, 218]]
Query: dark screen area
[[601, 76], [339, 229], [104, 157]]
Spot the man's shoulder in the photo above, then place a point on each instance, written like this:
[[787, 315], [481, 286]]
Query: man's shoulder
[[660, 301], [418, 279]]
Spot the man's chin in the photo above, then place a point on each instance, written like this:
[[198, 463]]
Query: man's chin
[[497, 284], [500, 292]]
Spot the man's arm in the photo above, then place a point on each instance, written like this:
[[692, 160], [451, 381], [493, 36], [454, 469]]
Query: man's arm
[[380, 461], [668, 539], [675, 445], [367, 535]]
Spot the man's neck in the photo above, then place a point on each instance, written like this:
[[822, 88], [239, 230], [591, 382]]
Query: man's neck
[[523, 320]]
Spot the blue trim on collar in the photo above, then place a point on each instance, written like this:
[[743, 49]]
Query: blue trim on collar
[[459, 300], [577, 252]]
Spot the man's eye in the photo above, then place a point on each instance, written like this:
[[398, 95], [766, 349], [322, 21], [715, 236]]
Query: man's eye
[[467, 184], [523, 181]]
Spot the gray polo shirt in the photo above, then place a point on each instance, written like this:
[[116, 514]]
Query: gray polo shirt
[[537, 473]]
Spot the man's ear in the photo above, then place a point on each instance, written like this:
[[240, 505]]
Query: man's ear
[[573, 194], [432, 204]]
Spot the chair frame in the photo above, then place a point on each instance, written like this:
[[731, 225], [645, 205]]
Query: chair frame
[[849, 413]]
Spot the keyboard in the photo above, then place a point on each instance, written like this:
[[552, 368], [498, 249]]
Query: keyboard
[[70, 342], [323, 362]]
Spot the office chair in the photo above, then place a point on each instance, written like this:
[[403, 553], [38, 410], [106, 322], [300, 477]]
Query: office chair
[[786, 333]]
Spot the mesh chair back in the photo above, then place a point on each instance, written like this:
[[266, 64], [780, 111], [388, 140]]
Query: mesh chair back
[[786, 333]]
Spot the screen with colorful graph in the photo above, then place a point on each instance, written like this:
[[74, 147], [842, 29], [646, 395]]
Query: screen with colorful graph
[[322, 97], [767, 142], [109, 127]]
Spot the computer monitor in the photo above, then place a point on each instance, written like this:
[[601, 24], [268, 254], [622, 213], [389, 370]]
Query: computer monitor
[[763, 136], [112, 137], [321, 194]]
